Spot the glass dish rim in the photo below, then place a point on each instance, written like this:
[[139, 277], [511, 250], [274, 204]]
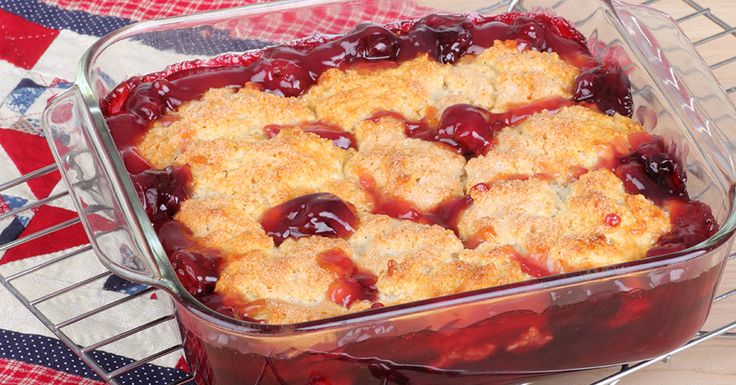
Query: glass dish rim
[[167, 280]]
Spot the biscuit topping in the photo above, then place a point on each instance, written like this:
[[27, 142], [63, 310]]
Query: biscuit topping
[[398, 163]]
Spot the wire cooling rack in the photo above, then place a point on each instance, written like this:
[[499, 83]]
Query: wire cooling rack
[[68, 329]]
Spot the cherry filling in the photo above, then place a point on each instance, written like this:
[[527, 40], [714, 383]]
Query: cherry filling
[[606, 86], [650, 169], [653, 170], [320, 214], [351, 283], [197, 268], [196, 271], [692, 223], [292, 70], [446, 214], [470, 130], [339, 137], [445, 38], [531, 266], [161, 192]]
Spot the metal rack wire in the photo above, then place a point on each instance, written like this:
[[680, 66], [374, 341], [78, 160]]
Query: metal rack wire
[[117, 376]]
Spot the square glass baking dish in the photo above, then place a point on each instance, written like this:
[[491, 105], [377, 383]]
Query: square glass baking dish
[[507, 334]]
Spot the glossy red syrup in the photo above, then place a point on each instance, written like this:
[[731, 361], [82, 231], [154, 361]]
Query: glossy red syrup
[[292, 70], [532, 267], [162, 191], [351, 283], [606, 86], [654, 170], [612, 220], [470, 130], [339, 137], [446, 214], [197, 268], [320, 214]]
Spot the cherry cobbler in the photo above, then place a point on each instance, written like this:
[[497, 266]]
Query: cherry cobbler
[[399, 163]]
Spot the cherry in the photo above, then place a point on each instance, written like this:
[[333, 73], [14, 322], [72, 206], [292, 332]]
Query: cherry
[[606, 86], [652, 171], [692, 223], [612, 220], [351, 283], [532, 33], [196, 272], [280, 76], [370, 42], [470, 129], [320, 214], [466, 128], [145, 103], [161, 192], [168, 93], [445, 37]]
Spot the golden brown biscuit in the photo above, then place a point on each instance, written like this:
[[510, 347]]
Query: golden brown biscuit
[[555, 145], [221, 114], [565, 227]]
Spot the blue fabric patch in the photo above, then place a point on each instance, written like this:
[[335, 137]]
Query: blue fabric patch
[[120, 285], [52, 353], [24, 95], [204, 40], [56, 18], [12, 231], [14, 202]]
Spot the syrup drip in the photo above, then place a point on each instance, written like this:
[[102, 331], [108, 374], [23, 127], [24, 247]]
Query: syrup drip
[[351, 283]]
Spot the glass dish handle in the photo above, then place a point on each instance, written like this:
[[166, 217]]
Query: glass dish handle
[[87, 170], [695, 95]]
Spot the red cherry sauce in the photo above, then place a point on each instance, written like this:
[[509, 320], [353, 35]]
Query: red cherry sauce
[[339, 137], [320, 214], [653, 169], [291, 70], [470, 130], [196, 267], [606, 86], [351, 283], [446, 214], [161, 192]]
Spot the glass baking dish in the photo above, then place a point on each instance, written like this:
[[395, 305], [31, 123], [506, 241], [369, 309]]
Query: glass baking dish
[[508, 334]]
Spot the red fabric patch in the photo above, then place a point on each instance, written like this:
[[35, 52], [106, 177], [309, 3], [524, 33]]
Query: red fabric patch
[[21, 42], [19, 373], [4, 208], [183, 365], [147, 9], [28, 153], [45, 217]]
